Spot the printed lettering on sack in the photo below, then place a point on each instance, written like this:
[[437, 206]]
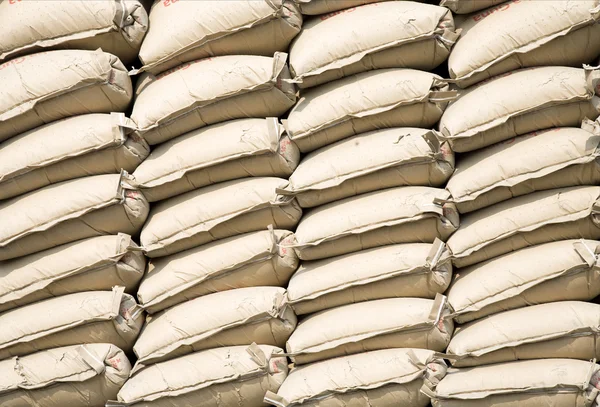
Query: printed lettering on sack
[[166, 3], [115, 362], [180, 68], [15, 61], [501, 7], [14, 1]]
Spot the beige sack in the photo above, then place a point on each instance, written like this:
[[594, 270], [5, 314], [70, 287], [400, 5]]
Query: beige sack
[[372, 325], [546, 216], [27, 27], [402, 215], [518, 103], [528, 383], [555, 158], [370, 162], [469, 6], [183, 31], [525, 33], [248, 260], [228, 318], [41, 88], [74, 376], [568, 329], [210, 91], [221, 152], [69, 211], [317, 7], [383, 378], [228, 376], [215, 212], [79, 146], [403, 270], [86, 317], [408, 35], [555, 271], [364, 102], [98, 263]]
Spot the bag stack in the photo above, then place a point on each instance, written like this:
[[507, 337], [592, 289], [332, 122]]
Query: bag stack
[[69, 266], [527, 138]]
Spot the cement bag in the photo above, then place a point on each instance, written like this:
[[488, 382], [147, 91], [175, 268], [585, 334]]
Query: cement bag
[[76, 376], [389, 377], [469, 6], [403, 215], [541, 217], [249, 260], [403, 270], [27, 27], [183, 31], [221, 152], [73, 82], [555, 271], [372, 325], [568, 329], [528, 383], [343, 43], [370, 162], [215, 212], [317, 7], [210, 91], [86, 317], [228, 376], [69, 211], [555, 158], [364, 102], [520, 34], [228, 318], [98, 264], [518, 103], [71, 148]]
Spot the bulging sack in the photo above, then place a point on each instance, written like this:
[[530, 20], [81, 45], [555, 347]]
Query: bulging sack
[[69, 211], [568, 329], [41, 88], [343, 43], [183, 31], [518, 103], [370, 162], [556, 158], [221, 152], [403, 270], [237, 375], [555, 271], [86, 317], [469, 6], [316, 7], [403, 215], [380, 378], [27, 27], [380, 324], [228, 318], [249, 260], [98, 264], [78, 376], [527, 383], [212, 90], [76, 147], [368, 101], [525, 33], [215, 212], [541, 217]]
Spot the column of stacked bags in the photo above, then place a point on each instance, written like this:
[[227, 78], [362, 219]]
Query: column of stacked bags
[[209, 95], [526, 185], [371, 239], [68, 262]]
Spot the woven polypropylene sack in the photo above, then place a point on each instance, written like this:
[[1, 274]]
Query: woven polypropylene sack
[[41, 88], [98, 263], [79, 146], [117, 27], [79, 375], [520, 102], [183, 31]]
